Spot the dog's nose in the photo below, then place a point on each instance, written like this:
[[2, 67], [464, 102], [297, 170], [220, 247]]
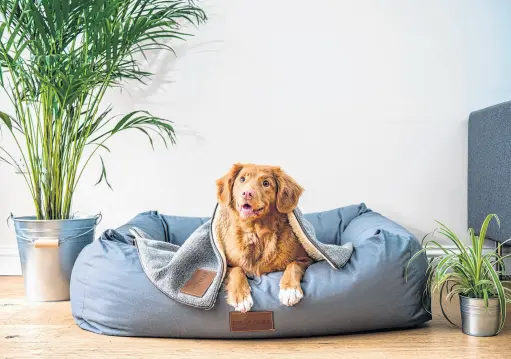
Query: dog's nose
[[248, 194]]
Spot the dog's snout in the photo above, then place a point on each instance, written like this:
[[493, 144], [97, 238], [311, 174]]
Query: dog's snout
[[248, 194]]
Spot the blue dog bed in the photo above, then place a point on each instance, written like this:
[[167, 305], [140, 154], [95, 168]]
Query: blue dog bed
[[110, 294]]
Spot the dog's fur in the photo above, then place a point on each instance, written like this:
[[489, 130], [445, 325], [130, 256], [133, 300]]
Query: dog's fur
[[260, 239]]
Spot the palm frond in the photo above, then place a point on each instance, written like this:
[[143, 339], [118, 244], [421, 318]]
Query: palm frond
[[57, 59]]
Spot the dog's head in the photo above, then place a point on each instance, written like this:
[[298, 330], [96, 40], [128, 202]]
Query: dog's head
[[255, 191]]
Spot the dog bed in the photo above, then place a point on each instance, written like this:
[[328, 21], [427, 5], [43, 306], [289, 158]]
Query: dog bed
[[111, 294]]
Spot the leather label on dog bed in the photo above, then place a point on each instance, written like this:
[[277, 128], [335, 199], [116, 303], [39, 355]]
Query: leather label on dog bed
[[199, 283], [251, 321]]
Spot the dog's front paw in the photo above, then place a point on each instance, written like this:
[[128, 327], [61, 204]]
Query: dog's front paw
[[290, 296], [242, 302]]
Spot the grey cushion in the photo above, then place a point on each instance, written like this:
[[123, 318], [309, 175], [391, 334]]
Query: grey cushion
[[110, 293], [489, 169]]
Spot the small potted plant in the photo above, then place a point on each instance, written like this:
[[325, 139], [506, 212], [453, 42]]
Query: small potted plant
[[473, 276], [57, 60]]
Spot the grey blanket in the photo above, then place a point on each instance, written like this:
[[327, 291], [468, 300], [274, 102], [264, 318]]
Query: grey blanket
[[170, 267]]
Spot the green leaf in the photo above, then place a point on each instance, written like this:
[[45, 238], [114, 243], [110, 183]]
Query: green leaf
[[484, 227], [103, 176], [123, 121], [148, 136], [500, 291], [102, 146], [6, 119]]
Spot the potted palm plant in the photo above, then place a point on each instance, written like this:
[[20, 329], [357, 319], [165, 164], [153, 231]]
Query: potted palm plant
[[473, 276], [57, 59]]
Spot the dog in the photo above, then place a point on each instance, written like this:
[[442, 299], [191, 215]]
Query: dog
[[260, 239]]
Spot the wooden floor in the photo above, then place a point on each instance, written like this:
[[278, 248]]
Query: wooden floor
[[47, 330]]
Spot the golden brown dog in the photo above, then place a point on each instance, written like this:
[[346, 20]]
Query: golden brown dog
[[260, 239]]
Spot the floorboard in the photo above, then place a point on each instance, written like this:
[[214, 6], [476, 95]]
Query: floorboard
[[47, 330]]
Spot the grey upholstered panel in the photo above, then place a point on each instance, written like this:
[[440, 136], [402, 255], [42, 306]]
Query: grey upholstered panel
[[110, 294], [489, 169]]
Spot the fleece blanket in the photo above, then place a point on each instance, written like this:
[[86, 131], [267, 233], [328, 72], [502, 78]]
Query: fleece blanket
[[193, 273]]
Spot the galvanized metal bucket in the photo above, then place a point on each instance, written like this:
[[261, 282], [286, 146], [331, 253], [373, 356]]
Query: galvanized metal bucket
[[48, 250], [477, 319]]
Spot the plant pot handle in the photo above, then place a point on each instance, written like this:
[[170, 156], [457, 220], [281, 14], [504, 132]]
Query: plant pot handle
[[98, 217], [10, 219]]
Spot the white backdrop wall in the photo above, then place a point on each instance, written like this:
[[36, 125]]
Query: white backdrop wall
[[360, 101]]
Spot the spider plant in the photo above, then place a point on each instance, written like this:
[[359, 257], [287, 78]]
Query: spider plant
[[466, 269], [57, 60]]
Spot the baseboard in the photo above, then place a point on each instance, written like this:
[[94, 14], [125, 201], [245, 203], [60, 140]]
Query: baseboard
[[9, 260]]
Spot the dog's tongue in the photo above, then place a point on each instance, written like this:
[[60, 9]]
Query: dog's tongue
[[246, 210]]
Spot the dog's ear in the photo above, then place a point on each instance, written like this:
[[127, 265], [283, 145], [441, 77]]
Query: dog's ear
[[288, 191], [224, 185]]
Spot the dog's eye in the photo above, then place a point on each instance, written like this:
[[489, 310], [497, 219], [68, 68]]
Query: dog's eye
[[266, 183], [242, 179]]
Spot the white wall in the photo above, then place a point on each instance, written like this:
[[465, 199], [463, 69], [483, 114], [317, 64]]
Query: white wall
[[358, 100]]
